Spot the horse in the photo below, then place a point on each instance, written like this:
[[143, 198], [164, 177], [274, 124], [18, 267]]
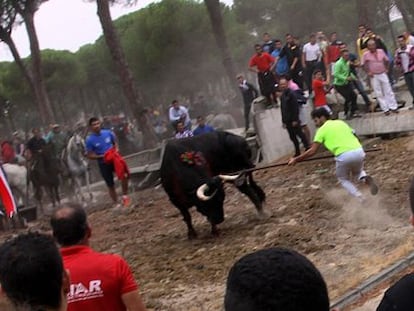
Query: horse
[[44, 170], [77, 165], [18, 182]]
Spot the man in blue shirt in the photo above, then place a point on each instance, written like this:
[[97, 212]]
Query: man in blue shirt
[[98, 142], [202, 127], [282, 67]]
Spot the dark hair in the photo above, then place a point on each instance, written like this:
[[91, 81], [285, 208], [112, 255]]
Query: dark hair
[[174, 101], [69, 224], [317, 71], [399, 296], [92, 120], [275, 279], [31, 271], [257, 45], [344, 50], [401, 37], [278, 40], [320, 112]]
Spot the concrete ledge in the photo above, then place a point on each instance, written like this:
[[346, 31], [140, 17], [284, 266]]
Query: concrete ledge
[[379, 123]]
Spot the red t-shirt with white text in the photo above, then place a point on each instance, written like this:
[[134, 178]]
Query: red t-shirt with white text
[[97, 280]]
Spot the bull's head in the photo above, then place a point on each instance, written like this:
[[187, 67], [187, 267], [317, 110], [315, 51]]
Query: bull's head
[[206, 191]]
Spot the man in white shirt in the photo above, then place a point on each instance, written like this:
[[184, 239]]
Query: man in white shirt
[[409, 38], [404, 60], [178, 113], [311, 56]]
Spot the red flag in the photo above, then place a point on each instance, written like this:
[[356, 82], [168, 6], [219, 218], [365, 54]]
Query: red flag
[[6, 195]]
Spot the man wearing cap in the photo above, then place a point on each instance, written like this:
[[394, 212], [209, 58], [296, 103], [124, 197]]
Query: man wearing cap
[[57, 138]]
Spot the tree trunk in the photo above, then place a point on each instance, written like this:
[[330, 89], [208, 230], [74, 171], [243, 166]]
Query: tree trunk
[[364, 14], [125, 75], [214, 12], [6, 38], [40, 88], [402, 7], [391, 28]]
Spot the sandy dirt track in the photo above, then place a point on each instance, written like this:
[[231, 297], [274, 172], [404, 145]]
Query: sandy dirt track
[[347, 241]]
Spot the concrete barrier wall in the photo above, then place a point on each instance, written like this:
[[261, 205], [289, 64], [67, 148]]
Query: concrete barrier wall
[[273, 138]]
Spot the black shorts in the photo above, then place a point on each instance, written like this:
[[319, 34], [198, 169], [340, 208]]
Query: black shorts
[[107, 173]]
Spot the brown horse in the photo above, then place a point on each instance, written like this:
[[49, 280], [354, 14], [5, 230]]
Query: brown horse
[[44, 170]]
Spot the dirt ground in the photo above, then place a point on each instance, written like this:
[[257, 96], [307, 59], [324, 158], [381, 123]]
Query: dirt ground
[[310, 213]]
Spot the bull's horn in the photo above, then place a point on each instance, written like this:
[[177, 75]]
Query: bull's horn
[[201, 193], [228, 177]]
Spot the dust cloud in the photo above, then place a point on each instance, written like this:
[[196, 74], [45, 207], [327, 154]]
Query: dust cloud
[[369, 214]]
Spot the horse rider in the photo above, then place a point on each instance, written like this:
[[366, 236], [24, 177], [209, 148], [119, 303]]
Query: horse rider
[[58, 139], [35, 144], [19, 147]]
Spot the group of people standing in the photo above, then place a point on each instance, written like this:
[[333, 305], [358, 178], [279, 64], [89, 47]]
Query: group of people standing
[[180, 120], [283, 72], [322, 67]]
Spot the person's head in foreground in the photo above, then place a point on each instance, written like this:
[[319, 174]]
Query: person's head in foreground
[[399, 297], [275, 279], [32, 276], [70, 225]]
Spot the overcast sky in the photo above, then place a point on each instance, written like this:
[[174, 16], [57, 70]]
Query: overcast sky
[[66, 25]]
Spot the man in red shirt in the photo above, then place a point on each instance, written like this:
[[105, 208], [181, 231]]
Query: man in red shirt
[[262, 63], [334, 53], [319, 87], [98, 281]]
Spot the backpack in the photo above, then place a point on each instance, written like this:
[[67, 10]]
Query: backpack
[[300, 97]]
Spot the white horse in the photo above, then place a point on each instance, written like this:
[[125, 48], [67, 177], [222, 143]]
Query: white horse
[[77, 165], [17, 178]]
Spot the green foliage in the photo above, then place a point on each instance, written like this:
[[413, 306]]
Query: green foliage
[[62, 70], [171, 50]]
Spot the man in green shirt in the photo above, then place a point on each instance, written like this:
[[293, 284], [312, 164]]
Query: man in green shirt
[[342, 82], [340, 139], [58, 139]]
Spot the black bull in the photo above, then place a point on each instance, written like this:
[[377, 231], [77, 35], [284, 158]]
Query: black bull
[[190, 162]]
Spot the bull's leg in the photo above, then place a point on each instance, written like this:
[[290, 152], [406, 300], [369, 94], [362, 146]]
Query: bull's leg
[[215, 230], [50, 191], [255, 194], [192, 234], [57, 194]]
